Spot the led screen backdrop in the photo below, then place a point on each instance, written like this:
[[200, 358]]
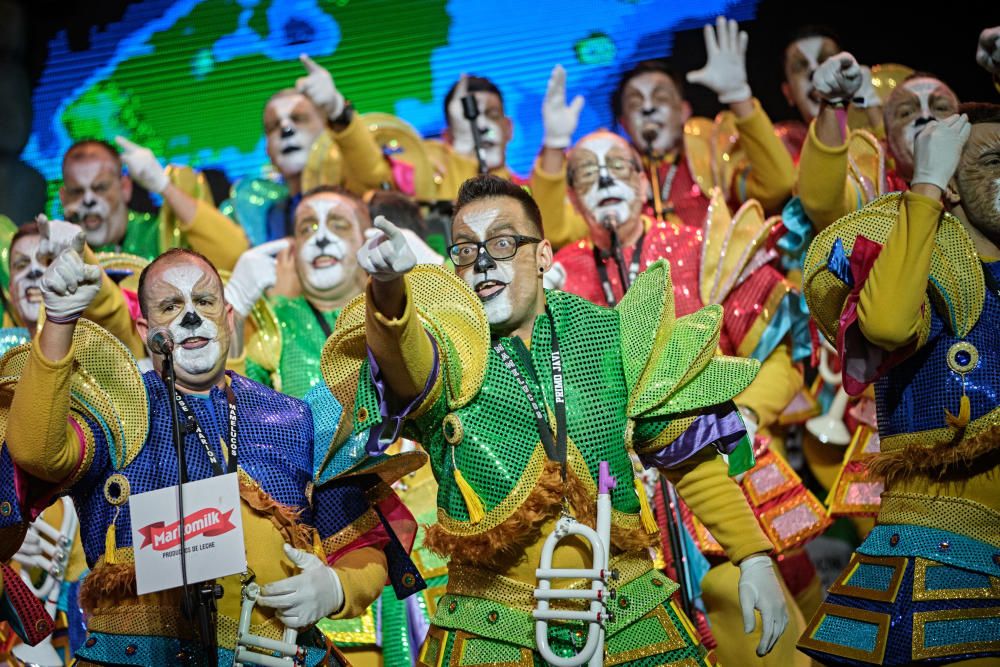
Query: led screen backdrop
[[189, 78]]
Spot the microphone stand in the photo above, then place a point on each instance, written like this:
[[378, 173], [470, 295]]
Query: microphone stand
[[471, 112], [197, 603]]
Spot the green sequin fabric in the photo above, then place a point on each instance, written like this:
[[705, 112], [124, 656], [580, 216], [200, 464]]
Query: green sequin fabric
[[302, 340]]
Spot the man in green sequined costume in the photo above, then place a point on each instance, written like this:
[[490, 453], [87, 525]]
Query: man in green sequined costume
[[329, 229], [633, 376]]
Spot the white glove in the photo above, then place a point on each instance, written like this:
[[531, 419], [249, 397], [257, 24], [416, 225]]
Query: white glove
[[302, 600], [423, 252], [386, 256], [255, 271], [760, 590], [938, 149], [555, 277], [318, 86], [838, 78], [68, 286], [867, 97], [58, 236], [559, 120], [143, 166], [988, 50], [726, 69]]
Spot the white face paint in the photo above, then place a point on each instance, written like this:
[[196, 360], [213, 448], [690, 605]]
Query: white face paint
[[322, 253], [102, 218], [491, 132], [290, 142], [611, 205], [653, 125], [202, 359], [810, 48], [25, 281], [492, 286], [922, 88]]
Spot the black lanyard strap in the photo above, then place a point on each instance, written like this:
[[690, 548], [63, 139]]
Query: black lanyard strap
[[323, 324], [633, 270], [554, 443], [203, 439]]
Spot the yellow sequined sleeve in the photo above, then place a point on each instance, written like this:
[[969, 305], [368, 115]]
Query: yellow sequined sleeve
[[40, 438], [704, 484], [776, 384], [109, 310], [893, 309], [563, 225], [362, 575], [826, 192], [403, 350], [772, 173], [216, 236], [365, 168]]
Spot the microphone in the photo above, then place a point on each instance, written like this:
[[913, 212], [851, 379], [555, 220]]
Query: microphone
[[160, 341]]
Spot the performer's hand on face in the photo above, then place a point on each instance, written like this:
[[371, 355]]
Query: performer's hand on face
[[318, 86], [938, 149], [760, 590], [58, 236], [387, 256], [988, 50], [286, 282], [255, 272], [725, 73], [143, 166], [559, 119], [839, 78], [69, 285], [302, 600]]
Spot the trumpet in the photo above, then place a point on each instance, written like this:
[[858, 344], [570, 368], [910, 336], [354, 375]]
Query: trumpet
[[829, 428], [599, 575], [290, 652]]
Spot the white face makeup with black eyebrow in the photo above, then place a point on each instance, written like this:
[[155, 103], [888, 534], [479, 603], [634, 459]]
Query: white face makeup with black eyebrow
[[327, 238]]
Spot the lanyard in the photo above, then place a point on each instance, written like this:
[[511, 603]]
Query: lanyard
[[203, 439], [555, 444], [633, 270], [323, 324], [662, 190]]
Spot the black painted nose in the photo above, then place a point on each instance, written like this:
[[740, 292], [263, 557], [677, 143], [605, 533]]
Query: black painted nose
[[287, 131], [605, 181], [35, 274], [648, 112], [484, 262], [191, 320], [322, 242], [89, 203]]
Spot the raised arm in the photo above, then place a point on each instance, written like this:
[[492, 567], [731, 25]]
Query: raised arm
[[207, 230], [396, 338], [772, 174], [42, 439]]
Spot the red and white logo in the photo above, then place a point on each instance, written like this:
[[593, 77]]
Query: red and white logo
[[209, 522]]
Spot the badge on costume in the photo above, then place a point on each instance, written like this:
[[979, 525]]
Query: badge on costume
[[213, 532]]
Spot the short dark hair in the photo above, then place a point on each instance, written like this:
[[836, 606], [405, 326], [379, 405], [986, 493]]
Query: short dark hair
[[340, 191], [474, 84], [168, 255], [80, 145], [487, 186], [979, 112], [657, 65], [27, 229], [397, 208]]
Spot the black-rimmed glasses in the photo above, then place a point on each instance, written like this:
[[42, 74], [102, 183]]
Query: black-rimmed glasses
[[498, 247]]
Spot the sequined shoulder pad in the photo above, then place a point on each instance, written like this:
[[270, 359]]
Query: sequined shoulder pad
[[670, 363], [106, 387], [450, 312], [955, 285]]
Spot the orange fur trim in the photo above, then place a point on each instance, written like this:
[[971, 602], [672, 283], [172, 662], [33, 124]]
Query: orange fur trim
[[939, 462], [495, 549], [284, 518], [107, 582]]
